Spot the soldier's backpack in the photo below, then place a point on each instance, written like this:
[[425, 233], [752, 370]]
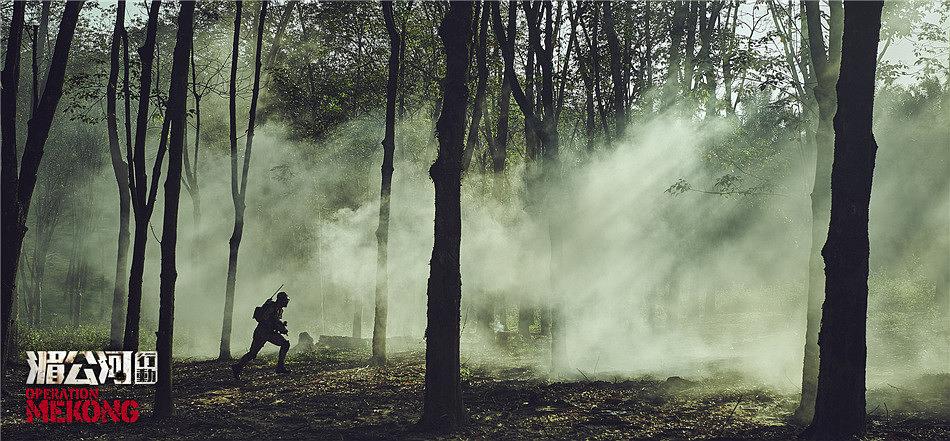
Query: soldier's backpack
[[260, 311]]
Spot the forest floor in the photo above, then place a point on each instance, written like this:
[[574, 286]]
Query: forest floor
[[330, 395]]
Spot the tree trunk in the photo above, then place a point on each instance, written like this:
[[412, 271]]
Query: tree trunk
[[239, 191], [17, 189], [689, 62], [190, 166], [177, 95], [616, 73], [138, 182], [389, 148], [826, 73], [677, 32], [224, 351], [500, 146], [840, 399], [121, 172], [442, 407], [39, 53], [481, 85]]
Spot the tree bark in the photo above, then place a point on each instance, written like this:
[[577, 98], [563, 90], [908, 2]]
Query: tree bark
[[480, 87], [239, 193], [138, 182], [442, 406], [177, 95], [616, 72], [826, 72], [677, 32], [224, 351], [39, 54], [500, 146], [121, 172], [17, 188], [389, 148], [190, 166], [840, 400]]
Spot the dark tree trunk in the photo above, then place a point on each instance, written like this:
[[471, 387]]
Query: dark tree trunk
[[177, 95], [121, 171], [706, 74], [17, 188], [190, 166], [500, 146], [595, 60], [442, 407], [616, 71], [840, 400], [138, 182], [826, 73], [648, 42], [40, 35], [389, 149], [13, 225], [480, 86], [224, 352], [544, 127], [239, 191], [677, 32], [689, 62]]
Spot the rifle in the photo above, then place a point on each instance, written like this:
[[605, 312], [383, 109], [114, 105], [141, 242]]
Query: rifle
[[275, 292]]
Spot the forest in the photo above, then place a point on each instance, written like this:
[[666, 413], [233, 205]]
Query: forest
[[719, 219]]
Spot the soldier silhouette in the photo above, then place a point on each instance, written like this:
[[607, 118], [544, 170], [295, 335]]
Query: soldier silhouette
[[270, 328]]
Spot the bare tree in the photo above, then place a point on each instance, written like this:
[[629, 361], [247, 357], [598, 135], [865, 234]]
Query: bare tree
[[121, 171], [840, 402], [442, 406], [16, 186], [143, 193], [389, 148], [177, 95], [480, 87], [239, 189], [825, 63]]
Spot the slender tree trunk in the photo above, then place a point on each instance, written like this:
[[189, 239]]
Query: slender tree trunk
[[17, 188], [480, 87], [689, 62], [677, 32], [224, 352], [500, 146], [239, 193], [177, 95], [39, 53], [121, 172], [442, 406], [138, 183], [840, 400], [190, 166], [389, 148], [595, 60], [826, 72], [616, 73]]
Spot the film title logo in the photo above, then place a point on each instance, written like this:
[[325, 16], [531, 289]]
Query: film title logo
[[92, 368], [85, 368], [77, 405]]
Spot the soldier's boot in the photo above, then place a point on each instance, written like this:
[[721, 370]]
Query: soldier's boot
[[236, 371], [284, 347], [236, 368]]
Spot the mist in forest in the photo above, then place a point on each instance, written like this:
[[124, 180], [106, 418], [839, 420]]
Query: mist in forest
[[657, 275], [674, 255]]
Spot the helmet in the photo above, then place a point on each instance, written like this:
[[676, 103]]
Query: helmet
[[282, 297]]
